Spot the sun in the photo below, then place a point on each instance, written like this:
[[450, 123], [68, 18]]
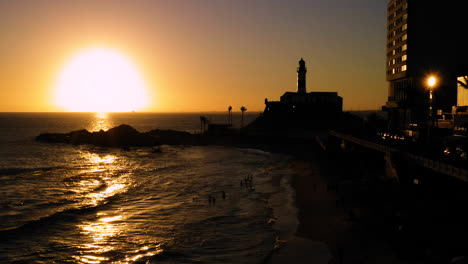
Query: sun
[[100, 80]]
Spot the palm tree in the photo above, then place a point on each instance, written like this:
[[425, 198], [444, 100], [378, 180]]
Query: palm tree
[[203, 123], [243, 109], [230, 115], [202, 119]]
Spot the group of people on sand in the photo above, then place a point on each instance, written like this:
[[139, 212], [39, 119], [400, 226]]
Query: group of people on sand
[[212, 198], [247, 182]]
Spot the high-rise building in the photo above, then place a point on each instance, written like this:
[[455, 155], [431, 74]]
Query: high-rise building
[[424, 38]]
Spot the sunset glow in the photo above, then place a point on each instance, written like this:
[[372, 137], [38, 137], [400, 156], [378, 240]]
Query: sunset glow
[[100, 80]]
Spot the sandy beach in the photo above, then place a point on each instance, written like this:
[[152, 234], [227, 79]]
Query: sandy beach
[[332, 226]]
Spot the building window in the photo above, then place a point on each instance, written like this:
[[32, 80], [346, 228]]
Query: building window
[[405, 37], [403, 68], [405, 47], [404, 57], [393, 71], [405, 27], [405, 16]]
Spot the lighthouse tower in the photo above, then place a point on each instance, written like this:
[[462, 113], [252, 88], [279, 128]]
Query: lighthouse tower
[[301, 77]]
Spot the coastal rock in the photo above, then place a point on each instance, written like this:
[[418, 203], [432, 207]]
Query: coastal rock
[[120, 136], [125, 136]]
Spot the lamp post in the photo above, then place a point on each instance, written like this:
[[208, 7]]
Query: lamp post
[[431, 83]]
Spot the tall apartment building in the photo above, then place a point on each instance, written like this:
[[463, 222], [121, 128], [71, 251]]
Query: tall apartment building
[[424, 38]]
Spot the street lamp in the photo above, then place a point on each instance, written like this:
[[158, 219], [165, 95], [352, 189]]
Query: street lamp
[[431, 83]]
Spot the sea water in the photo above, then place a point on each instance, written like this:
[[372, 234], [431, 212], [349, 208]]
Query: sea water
[[84, 204]]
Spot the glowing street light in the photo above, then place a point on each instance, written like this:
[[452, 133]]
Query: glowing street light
[[431, 83]]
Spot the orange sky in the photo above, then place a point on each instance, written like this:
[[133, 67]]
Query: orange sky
[[199, 55]]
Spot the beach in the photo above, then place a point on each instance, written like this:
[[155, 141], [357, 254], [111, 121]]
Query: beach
[[93, 204], [327, 231], [310, 191]]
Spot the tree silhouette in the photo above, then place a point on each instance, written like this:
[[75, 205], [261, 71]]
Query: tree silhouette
[[230, 115], [203, 122], [243, 109]]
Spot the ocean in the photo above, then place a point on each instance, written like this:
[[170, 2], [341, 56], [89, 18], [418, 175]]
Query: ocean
[[85, 204]]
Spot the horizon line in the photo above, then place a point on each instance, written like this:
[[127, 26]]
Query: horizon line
[[164, 112]]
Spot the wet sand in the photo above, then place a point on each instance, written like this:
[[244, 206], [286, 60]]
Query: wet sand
[[333, 227]]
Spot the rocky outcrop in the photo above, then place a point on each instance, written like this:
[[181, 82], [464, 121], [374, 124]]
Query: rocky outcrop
[[120, 136], [125, 136]]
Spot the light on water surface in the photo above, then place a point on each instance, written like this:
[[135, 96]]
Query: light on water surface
[[107, 183], [101, 122], [96, 159], [105, 205]]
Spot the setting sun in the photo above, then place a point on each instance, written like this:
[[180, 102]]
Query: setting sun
[[100, 80]]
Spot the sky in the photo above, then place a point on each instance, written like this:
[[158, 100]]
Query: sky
[[199, 55]]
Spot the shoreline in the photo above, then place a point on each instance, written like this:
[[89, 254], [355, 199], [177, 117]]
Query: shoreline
[[335, 214], [326, 231], [291, 247], [321, 225]]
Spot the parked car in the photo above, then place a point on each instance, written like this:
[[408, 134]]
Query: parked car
[[456, 147]]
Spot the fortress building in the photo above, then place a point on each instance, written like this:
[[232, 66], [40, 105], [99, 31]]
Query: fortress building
[[301, 108]]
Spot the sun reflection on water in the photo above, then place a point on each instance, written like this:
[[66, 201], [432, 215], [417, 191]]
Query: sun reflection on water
[[101, 121], [96, 159], [111, 219], [114, 188], [102, 229], [104, 233], [101, 115], [106, 175], [103, 178], [92, 259], [100, 232]]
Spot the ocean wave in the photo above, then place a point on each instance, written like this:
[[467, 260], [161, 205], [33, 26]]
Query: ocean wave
[[254, 151], [173, 256], [16, 171], [44, 224]]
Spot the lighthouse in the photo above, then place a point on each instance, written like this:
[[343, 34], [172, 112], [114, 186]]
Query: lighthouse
[[301, 106], [301, 77]]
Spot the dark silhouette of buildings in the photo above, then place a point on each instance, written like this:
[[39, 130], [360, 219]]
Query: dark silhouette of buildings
[[424, 38], [302, 109]]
